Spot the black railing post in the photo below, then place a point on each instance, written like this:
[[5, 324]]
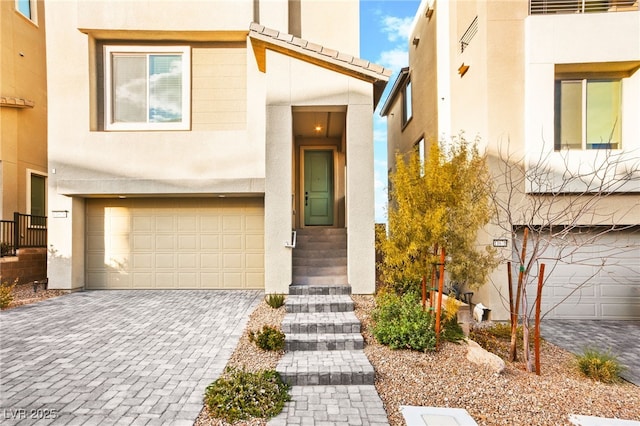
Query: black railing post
[[16, 231]]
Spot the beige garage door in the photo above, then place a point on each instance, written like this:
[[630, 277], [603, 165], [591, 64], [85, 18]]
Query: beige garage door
[[175, 243]]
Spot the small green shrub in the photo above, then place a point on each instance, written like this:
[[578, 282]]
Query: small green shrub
[[6, 294], [268, 339], [601, 366], [274, 300], [241, 395], [400, 323]]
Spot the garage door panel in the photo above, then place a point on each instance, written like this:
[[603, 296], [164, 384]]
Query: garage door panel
[[255, 280], [142, 261], [165, 242], [142, 280], [232, 260], [232, 280], [209, 242], [569, 310], [187, 260], [142, 242], [144, 223], [231, 223], [187, 242], [180, 243], [209, 260], [232, 242], [621, 309], [611, 270], [210, 280], [619, 290], [210, 223], [165, 224], [187, 224], [166, 280]]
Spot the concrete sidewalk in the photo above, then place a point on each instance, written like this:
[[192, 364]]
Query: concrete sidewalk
[[126, 357]]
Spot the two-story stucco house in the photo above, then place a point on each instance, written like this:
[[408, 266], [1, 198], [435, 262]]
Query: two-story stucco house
[[551, 84], [23, 141], [188, 139]]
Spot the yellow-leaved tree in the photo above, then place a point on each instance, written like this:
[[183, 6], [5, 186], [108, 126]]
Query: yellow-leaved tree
[[444, 201]]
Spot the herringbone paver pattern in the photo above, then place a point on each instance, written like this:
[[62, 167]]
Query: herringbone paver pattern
[[118, 357]]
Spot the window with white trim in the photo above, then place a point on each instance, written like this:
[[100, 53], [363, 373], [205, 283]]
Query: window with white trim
[[588, 114], [28, 9], [407, 107], [419, 147], [147, 87], [37, 189]]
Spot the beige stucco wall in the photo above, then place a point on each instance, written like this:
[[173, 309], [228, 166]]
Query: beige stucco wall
[[23, 131], [240, 141], [291, 82]]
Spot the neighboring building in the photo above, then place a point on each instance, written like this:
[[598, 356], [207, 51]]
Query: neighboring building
[[179, 135], [541, 79], [23, 140]]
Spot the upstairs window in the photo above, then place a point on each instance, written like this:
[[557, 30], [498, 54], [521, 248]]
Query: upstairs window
[[27, 8], [407, 108], [588, 114], [147, 87]]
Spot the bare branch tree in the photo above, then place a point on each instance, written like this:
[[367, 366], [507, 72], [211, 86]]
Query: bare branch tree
[[566, 204]]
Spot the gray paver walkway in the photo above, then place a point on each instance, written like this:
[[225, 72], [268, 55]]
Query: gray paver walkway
[[118, 357], [622, 338]]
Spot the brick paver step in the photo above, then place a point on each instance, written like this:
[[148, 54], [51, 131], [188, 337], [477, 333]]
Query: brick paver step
[[319, 303], [310, 368], [321, 322], [300, 290], [335, 405], [324, 342]]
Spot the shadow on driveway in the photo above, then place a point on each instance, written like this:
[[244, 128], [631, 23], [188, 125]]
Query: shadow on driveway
[[103, 357]]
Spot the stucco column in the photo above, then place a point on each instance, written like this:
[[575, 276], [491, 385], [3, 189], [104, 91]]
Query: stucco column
[[360, 199], [277, 199]]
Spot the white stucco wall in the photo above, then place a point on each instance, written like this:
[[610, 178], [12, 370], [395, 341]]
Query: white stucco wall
[[572, 39]]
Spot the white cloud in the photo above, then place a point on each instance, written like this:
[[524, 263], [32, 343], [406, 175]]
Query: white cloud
[[394, 59], [397, 29]]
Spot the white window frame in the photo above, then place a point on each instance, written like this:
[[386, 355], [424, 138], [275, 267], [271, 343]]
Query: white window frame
[[184, 51], [33, 9], [30, 173], [407, 103], [420, 149], [585, 144]]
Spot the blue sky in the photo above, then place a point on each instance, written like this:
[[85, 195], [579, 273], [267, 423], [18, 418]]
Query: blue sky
[[384, 32]]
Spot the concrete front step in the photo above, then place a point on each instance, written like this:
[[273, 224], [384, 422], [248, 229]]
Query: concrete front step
[[321, 323], [299, 290], [324, 342], [326, 280], [315, 303], [308, 368]]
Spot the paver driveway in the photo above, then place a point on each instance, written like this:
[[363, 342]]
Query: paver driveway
[[117, 357]]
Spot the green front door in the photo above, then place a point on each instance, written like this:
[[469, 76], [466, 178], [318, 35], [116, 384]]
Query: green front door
[[318, 187]]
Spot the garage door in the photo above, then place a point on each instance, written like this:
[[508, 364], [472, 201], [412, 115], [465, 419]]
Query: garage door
[[175, 243], [612, 269]]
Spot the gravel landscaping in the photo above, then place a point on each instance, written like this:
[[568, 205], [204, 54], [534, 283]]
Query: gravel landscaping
[[446, 379], [23, 294]]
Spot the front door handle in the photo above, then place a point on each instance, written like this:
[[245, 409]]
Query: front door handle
[[306, 198]]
